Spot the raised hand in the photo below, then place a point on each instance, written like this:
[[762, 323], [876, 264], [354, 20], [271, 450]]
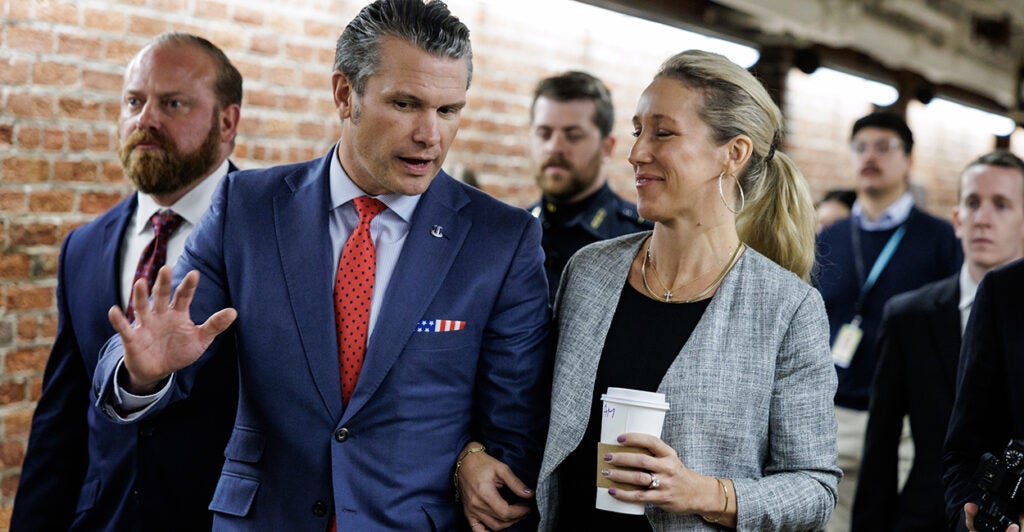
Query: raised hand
[[163, 338]]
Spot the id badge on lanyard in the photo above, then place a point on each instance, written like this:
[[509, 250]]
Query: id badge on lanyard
[[846, 343], [850, 334]]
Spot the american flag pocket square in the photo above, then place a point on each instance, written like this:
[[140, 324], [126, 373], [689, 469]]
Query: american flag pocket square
[[431, 326]]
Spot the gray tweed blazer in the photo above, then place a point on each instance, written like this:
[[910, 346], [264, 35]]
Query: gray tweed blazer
[[750, 393]]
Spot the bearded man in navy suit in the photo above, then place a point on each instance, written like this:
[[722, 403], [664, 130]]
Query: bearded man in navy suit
[[179, 115], [454, 347]]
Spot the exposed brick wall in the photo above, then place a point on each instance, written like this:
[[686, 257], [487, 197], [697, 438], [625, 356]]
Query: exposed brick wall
[[60, 77]]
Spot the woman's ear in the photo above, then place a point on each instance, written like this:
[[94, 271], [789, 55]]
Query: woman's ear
[[738, 151]]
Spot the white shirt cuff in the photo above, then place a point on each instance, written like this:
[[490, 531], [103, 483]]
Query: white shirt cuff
[[134, 406]]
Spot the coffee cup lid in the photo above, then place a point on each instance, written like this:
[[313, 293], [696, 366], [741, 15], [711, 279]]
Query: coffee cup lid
[[636, 397]]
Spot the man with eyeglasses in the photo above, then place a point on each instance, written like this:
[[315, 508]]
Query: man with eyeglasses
[[887, 246]]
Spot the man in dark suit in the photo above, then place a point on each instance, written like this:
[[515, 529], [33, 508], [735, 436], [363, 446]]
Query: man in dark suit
[[886, 247], [919, 346], [386, 313], [988, 410], [179, 116]]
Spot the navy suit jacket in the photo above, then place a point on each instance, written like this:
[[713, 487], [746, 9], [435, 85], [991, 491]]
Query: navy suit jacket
[[989, 407], [918, 348], [82, 471], [384, 462]]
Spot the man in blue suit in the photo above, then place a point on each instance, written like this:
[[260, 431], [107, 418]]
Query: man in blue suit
[[455, 341], [179, 116]]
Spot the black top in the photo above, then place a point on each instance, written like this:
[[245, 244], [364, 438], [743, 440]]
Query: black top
[[643, 340]]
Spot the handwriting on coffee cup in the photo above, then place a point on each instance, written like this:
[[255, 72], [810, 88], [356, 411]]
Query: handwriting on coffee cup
[[609, 411]]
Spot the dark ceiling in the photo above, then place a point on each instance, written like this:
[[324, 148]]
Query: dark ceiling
[[966, 50]]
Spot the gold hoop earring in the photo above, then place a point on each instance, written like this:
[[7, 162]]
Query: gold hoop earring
[[721, 194]]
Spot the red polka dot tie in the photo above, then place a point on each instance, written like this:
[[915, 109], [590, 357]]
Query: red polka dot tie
[[155, 255], [353, 293]]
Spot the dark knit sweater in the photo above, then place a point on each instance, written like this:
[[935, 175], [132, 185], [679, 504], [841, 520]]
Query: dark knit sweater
[[928, 252]]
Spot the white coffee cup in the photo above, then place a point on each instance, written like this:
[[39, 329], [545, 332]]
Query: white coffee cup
[[626, 410]]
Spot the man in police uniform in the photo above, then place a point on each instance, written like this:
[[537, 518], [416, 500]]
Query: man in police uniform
[[570, 140]]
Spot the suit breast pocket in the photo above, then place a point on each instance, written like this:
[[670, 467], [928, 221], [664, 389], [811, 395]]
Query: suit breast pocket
[[441, 341]]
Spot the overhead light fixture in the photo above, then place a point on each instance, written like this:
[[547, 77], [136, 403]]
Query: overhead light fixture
[[999, 125], [560, 16], [856, 87]]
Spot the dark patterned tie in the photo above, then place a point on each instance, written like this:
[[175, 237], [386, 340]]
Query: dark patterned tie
[[165, 223], [353, 293]]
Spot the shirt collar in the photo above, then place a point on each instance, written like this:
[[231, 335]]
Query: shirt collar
[[891, 217], [192, 206], [967, 288], [343, 190]]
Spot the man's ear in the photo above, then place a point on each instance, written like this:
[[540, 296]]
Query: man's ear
[[607, 147], [957, 222], [228, 122], [343, 94]]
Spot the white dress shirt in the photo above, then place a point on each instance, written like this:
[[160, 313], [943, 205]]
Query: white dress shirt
[[968, 287], [139, 232]]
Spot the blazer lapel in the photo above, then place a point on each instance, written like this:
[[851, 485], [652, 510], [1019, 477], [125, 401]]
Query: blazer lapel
[[419, 273], [113, 234], [301, 227], [945, 328], [583, 323]]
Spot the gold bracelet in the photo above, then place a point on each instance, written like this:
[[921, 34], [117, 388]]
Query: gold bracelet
[[725, 508], [458, 466]]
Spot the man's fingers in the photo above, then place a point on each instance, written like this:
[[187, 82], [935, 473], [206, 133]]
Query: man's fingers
[[513, 483], [119, 321], [217, 324], [140, 299], [186, 290], [162, 289]]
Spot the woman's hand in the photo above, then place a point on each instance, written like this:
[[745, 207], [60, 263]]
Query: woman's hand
[[665, 482]]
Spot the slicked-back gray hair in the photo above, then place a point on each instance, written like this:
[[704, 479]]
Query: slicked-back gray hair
[[429, 26]]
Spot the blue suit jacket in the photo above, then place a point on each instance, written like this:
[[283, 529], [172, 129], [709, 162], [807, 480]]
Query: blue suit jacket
[[385, 461], [82, 471]]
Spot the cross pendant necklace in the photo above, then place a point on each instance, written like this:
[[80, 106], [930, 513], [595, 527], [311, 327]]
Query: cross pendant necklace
[[668, 296]]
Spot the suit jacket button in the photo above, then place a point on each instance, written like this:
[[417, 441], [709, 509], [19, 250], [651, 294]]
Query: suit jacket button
[[341, 435], [319, 508]]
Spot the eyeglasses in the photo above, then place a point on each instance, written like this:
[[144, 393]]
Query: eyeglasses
[[881, 147]]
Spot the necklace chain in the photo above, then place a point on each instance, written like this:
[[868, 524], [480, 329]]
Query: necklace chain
[[657, 277], [668, 293]]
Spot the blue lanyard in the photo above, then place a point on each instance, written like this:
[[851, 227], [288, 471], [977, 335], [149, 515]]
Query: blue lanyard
[[880, 263]]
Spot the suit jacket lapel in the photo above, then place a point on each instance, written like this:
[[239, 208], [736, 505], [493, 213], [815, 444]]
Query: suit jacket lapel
[[301, 225], [945, 328], [113, 235], [421, 268]]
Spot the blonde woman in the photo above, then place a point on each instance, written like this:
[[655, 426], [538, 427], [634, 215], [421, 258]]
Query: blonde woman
[[711, 308]]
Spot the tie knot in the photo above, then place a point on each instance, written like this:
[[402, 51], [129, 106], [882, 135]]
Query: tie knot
[[166, 222], [368, 207]]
